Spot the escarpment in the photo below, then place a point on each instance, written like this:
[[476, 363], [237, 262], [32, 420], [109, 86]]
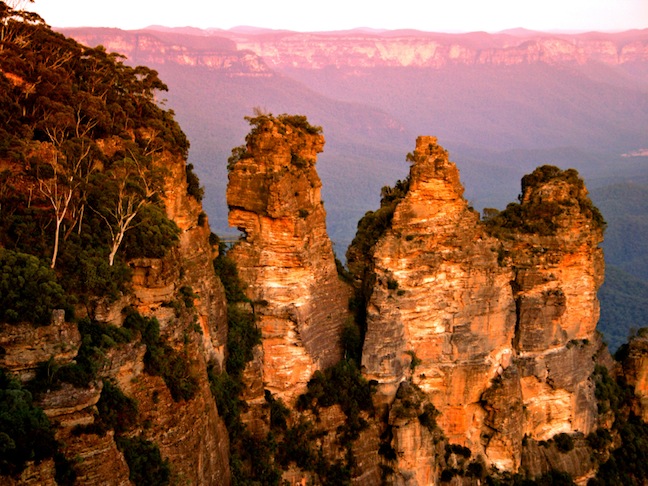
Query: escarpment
[[494, 321], [111, 311], [174, 409], [285, 256]]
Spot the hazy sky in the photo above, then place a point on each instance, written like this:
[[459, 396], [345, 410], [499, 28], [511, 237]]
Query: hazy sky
[[315, 15]]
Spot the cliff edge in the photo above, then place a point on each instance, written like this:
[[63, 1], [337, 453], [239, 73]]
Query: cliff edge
[[493, 320]]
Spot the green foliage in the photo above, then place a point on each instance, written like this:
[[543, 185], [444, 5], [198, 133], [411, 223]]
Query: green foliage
[[611, 394], [116, 411], [359, 255], [373, 225], [238, 154], [250, 458], [540, 216], [193, 184], [226, 391], [96, 339], [551, 478], [77, 91], [144, 461], [415, 360], [352, 341], [428, 417], [25, 432], [342, 272], [296, 447], [298, 122], [262, 467], [537, 219], [458, 450], [65, 473], [162, 360], [279, 413], [344, 385], [242, 336], [263, 122], [599, 440], [86, 273], [66, 183], [564, 442], [187, 295], [28, 289], [626, 464], [151, 236], [226, 270]]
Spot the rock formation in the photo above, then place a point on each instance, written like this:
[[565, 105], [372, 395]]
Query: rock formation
[[285, 256], [494, 322], [635, 371], [190, 434], [94, 181]]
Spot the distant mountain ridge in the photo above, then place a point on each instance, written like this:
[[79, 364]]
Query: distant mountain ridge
[[403, 48], [410, 48]]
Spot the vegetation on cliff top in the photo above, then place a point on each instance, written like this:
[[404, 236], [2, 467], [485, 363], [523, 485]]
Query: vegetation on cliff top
[[262, 122], [539, 215], [82, 144]]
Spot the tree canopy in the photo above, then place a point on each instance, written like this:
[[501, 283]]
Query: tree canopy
[[83, 143]]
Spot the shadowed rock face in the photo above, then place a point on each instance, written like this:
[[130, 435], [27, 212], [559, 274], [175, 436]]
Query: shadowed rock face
[[286, 257], [494, 321]]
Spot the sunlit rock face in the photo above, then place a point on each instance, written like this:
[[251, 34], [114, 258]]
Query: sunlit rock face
[[495, 321], [286, 257], [189, 433], [558, 270]]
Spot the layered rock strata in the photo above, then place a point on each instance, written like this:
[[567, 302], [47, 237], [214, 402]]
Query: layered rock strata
[[495, 322], [285, 256], [189, 433]]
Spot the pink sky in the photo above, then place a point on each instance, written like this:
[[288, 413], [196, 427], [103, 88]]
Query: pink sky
[[304, 15]]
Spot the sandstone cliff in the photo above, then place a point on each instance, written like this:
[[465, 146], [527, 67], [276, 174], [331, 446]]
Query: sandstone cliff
[[285, 256], [189, 433], [111, 310], [495, 323]]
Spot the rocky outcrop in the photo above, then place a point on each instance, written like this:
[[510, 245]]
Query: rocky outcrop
[[190, 433], [635, 370], [23, 345], [285, 256], [183, 293], [494, 321]]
